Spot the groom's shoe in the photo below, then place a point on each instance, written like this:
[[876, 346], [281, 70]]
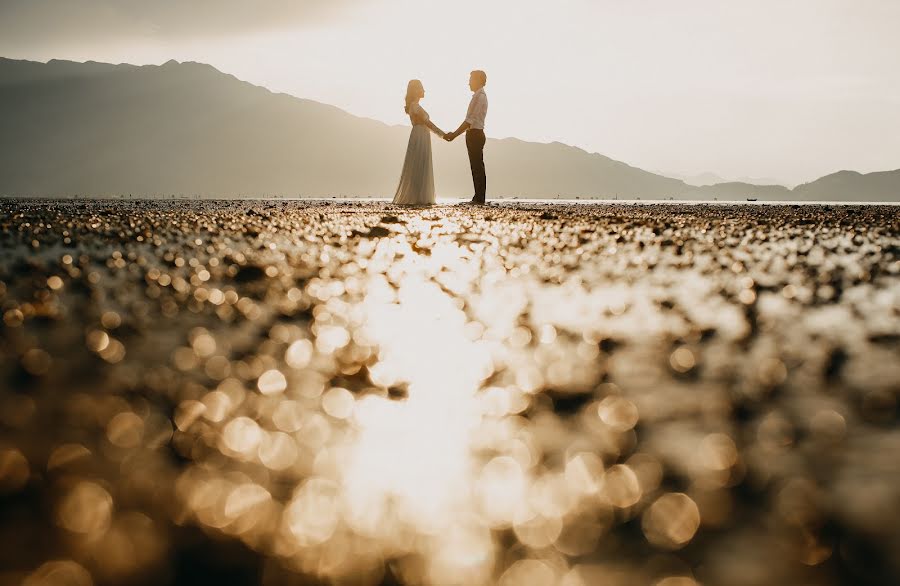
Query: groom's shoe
[[477, 201]]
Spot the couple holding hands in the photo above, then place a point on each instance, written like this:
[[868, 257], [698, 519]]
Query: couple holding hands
[[417, 178]]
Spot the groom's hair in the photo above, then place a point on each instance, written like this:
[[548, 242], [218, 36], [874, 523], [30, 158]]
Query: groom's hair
[[479, 74]]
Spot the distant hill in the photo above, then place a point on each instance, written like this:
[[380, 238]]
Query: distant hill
[[698, 180], [881, 186], [98, 129], [704, 179]]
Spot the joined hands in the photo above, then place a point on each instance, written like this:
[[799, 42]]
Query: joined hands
[[449, 136]]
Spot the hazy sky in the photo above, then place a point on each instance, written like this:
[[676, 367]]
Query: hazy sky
[[790, 89]]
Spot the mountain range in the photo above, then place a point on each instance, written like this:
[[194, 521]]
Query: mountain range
[[98, 129], [707, 178]]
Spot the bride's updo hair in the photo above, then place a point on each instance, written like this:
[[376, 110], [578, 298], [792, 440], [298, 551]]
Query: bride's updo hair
[[414, 91]]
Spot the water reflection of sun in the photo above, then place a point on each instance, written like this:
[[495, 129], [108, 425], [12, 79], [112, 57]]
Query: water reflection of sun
[[434, 459], [413, 458]]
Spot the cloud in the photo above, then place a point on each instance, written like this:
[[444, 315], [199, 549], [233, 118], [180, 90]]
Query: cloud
[[37, 23]]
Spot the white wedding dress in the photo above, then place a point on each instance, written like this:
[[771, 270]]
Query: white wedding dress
[[417, 178]]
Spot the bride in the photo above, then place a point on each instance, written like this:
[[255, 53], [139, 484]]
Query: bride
[[417, 178]]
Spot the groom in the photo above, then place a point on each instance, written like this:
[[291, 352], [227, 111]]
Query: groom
[[473, 126]]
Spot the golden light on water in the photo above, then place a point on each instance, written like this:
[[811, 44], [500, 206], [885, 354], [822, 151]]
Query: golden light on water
[[14, 470], [58, 572], [432, 462], [671, 521], [422, 397], [86, 509]]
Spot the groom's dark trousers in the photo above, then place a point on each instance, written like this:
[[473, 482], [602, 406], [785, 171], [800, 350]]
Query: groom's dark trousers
[[475, 145]]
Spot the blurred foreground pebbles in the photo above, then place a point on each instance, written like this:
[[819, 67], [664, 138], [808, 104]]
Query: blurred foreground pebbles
[[526, 394]]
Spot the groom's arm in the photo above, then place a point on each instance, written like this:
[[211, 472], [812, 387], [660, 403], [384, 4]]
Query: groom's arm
[[476, 106], [462, 128]]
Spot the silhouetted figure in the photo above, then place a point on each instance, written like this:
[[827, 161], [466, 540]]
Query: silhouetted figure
[[416, 186], [473, 126]]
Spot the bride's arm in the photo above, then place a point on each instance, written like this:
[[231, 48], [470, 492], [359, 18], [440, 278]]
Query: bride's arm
[[419, 118], [435, 129]]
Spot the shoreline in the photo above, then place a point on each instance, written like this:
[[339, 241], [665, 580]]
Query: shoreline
[[444, 202]]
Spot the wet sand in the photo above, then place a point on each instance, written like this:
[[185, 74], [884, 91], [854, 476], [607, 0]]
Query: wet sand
[[355, 393]]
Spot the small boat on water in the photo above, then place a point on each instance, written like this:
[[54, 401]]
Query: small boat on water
[[751, 199]]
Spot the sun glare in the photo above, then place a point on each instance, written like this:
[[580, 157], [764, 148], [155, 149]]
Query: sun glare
[[434, 459]]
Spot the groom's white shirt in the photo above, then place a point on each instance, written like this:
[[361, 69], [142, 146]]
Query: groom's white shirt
[[477, 110]]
